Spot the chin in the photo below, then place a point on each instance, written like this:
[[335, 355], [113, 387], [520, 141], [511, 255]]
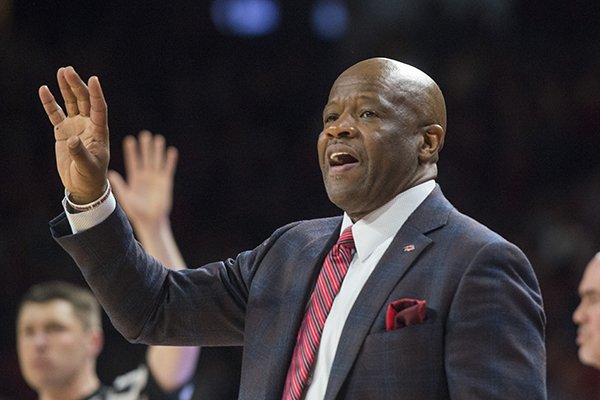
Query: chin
[[591, 360], [337, 198], [345, 206], [347, 200]]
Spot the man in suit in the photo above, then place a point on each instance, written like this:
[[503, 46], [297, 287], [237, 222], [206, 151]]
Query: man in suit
[[431, 304], [587, 314]]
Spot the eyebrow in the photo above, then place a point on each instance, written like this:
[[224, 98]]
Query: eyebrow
[[365, 98]]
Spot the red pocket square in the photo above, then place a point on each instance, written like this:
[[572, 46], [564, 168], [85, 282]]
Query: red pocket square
[[404, 312]]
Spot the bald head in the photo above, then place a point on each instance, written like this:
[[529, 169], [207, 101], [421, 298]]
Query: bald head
[[383, 127], [410, 85]]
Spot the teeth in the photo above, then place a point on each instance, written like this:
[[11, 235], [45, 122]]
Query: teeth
[[337, 157], [341, 158]]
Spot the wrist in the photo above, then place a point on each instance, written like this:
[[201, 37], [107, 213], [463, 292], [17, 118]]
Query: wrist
[[79, 197], [75, 204]]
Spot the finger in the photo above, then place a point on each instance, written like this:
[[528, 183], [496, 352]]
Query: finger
[[131, 156], [159, 152], [98, 109], [171, 160], [67, 93], [53, 110], [79, 89], [117, 183], [119, 188], [146, 149]]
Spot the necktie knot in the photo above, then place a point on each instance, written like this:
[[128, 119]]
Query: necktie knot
[[346, 239]]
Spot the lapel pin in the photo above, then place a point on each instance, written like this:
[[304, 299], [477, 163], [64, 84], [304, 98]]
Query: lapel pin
[[408, 248]]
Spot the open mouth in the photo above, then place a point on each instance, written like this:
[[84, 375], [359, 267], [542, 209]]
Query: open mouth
[[341, 158]]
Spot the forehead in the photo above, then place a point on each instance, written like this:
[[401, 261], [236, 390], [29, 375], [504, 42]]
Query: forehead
[[55, 311], [379, 81], [362, 83], [591, 277], [359, 90]]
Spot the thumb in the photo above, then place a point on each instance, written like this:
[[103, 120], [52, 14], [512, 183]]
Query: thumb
[[117, 183], [79, 153]]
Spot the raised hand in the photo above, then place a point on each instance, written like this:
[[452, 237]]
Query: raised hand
[[82, 145], [147, 195]]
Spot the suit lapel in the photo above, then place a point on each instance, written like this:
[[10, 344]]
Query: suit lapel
[[282, 335], [394, 264]]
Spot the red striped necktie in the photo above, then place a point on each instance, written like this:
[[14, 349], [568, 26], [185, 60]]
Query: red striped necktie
[[328, 285]]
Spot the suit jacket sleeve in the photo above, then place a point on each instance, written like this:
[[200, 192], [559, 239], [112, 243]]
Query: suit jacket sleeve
[[149, 303], [495, 329]]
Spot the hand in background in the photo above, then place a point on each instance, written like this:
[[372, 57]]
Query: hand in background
[[82, 146], [147, 196]]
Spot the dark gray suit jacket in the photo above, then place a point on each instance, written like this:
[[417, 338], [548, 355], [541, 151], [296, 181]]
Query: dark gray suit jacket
[[482, 338]]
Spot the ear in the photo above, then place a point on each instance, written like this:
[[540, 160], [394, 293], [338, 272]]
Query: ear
[[432, 141], [96, 341]]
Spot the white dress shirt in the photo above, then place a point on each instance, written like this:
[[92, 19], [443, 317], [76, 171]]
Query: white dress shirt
[[372, 237]]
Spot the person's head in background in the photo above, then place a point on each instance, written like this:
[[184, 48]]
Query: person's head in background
[[587, 314], [59, 337]]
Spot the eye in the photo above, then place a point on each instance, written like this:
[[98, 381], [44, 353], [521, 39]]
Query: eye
[[330, 118], [55, 328], [27, 331], [368, 114]]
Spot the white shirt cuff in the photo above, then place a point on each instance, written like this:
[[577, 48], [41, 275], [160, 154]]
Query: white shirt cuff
[[85, 220]]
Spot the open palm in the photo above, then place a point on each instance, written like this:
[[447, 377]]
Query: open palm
[[146, 197], [82, 145]]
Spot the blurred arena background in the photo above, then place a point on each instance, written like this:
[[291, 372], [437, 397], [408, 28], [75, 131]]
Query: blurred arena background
[[238, 87]]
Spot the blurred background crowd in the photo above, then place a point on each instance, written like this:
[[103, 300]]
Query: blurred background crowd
[[238, 87]]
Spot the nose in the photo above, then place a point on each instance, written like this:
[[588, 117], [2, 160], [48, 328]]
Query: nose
[[579, 314], [39, 339], [341, 127]]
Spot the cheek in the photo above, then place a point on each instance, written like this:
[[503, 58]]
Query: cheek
[[591, 351], [396, 159], [67, 344], [594, 325], [24, 348], [70, 354]]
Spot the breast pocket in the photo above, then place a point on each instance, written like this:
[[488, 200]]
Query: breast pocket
[[406, 363], [412, 350]]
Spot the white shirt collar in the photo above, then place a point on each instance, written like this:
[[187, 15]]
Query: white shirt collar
[[383, 223]]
